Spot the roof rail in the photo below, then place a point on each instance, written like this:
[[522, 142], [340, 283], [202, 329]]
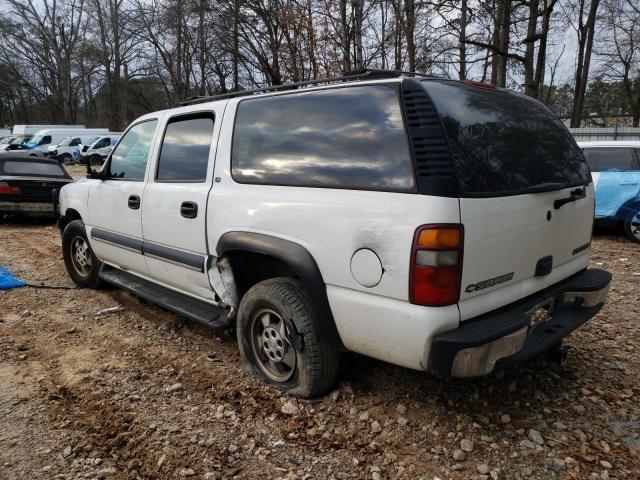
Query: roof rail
[[361, 74]]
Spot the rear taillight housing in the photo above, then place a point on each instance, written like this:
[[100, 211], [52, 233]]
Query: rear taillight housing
[[436, 265], [6, 189]]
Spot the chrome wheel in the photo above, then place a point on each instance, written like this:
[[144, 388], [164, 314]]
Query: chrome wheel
[[272, 345], [634, 226], [81, 256]]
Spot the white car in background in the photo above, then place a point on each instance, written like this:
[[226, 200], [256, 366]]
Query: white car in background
[[94, 153], [68, 150]]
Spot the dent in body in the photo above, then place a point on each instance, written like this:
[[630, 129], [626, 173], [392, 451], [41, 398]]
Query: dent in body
[[223, 282]]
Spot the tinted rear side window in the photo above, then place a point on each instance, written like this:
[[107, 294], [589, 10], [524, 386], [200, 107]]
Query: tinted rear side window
[[28, 168], [339, 138], [504, 143], [601, 159], [185, 150]]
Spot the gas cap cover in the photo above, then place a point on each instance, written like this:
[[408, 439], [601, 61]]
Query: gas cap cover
[[366, 267]]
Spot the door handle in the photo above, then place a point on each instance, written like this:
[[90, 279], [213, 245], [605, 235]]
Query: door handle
[[189, 209], [134, 202]]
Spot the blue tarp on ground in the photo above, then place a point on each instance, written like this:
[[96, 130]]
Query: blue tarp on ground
[[9, 280]]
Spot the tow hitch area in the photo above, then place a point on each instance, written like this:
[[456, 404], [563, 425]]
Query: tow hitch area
[[521, 331]]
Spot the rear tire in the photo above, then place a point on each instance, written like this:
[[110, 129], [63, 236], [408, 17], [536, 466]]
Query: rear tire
[[632, 228], [300, 362], [66, 159], [95, 160], [82, 265]]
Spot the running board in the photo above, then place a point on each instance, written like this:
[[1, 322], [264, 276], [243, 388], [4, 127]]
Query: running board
[[204, 313]]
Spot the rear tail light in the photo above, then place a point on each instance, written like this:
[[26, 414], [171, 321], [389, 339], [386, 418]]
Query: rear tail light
[[6, 189], [436, 265]]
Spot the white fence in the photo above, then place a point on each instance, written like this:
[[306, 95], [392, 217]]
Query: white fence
[[605, 133]]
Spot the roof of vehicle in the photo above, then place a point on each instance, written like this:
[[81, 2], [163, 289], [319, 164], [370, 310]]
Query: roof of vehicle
[[30, 159], [610, 143]]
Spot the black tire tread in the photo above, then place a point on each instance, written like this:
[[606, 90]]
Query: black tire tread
[[321, 357], [93, 280]]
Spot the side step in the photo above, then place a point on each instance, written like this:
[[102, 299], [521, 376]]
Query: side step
[[189, 307]]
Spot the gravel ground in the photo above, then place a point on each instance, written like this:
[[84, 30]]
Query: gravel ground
[[141, 393]]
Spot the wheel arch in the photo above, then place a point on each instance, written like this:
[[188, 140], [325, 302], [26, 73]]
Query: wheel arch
[[69, 216], [282, 258], [628, 209]]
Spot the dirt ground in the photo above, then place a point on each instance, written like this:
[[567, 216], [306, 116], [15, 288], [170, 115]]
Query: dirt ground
[[141, 393]]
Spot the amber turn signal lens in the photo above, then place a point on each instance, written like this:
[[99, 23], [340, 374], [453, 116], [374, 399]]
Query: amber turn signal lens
[[439, 238]]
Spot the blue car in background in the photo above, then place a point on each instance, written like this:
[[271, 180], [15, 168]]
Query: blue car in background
[[615, 167]]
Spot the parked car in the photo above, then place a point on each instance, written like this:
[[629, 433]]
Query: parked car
[[43, 139], [94, 153], [14, 142], [33, 129], [68, 150], [29, 186], [434, 224], [615, 167]]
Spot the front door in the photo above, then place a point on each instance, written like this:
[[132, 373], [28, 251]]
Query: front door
[[174, 210], [115, 204]]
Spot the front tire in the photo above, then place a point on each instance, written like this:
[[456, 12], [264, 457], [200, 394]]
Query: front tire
[[632, 228], [82, 265], [66, 159], [95, 160], [280, 342]]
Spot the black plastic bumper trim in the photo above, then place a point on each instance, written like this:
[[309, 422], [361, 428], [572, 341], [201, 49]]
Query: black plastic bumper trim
[[494, 325]]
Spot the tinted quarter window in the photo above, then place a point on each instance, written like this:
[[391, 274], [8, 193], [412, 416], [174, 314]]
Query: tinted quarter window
[[75, 142], [185, 149], [25, 167], [129, 159], [350, 137], [504, 143], [104, 142], [618, 158]]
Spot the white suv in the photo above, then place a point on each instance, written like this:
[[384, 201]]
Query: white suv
[[439, 225]]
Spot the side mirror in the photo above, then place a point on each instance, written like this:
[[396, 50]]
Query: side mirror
[[94, 175]]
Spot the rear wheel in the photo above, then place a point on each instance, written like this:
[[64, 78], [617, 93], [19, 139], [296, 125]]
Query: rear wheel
[[279, 339], [632, 228], [82, 265], [66, 159], [95, 160]]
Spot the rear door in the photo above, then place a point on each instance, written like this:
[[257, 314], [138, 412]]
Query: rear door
[[526, 194], [617, 175], [174, 210]]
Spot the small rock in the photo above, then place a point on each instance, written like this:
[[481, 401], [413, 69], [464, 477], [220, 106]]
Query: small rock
[[402, 421], [557, 465], [376, 427], [67, 451], [176, 387], [459, 455], [289, 408], [105, 472], [483, 469], [334, 395], [376, 476], [187, 472], [401, 409], [466, 445], [605, 464], [212, 476], [364, 416], [161, 460], [506, 418], [536, 437]]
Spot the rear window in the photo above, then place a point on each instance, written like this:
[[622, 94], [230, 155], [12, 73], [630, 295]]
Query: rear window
[[504, 143], [350, 137], [601, 159], [28, 168]]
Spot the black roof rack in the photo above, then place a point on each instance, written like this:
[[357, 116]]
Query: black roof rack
[[362, 74]]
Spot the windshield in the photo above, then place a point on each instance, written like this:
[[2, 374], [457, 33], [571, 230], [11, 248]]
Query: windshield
[[34, 142], [20, 140], [505, 143]]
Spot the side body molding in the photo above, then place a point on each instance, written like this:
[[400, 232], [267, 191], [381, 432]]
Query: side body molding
[[299, 260]]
